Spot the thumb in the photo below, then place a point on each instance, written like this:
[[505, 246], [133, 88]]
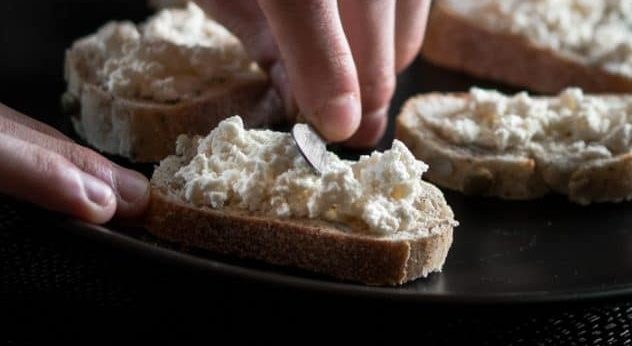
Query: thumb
[[131, 189], [49, 180]]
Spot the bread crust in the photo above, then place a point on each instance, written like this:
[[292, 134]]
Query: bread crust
[[454, 41], [329, 248], [310, 245], [145, 130], [603, 181], [509, 175]]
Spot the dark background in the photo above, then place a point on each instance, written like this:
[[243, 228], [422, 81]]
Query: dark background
[[33, 38], [56, 285], [34, 35]]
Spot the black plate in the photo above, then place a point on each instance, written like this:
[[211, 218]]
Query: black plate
[[530, 251], [547, 250]]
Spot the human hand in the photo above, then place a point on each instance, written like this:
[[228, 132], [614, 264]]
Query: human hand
[[42, 166], [336, 61]]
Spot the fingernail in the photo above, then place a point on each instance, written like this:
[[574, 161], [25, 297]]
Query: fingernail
[[97, 191], [339, 118], [130, 185]]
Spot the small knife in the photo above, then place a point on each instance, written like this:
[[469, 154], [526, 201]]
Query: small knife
[[311, 146]]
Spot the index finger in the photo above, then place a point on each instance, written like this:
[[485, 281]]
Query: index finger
[[319, 64]]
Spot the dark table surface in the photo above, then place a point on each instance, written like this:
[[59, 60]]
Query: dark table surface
[[57, 285]]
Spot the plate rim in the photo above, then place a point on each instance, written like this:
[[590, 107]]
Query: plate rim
[[104, 233]]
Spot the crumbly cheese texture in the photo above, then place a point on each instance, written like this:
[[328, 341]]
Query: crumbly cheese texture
[[596, 126], [263, 171], [175, 55], [595, 31]]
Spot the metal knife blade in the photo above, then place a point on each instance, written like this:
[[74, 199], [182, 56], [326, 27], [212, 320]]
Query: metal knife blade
[[311, 146]]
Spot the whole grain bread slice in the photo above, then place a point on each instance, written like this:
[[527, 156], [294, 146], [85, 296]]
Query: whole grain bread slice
[[336, 250], [144, 130], [512, 174], [456, 40]]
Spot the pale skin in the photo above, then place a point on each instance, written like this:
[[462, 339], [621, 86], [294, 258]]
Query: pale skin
[[334, 62]]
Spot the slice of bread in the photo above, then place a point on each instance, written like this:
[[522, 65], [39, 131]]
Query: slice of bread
[[475, 37], [597, 169], [133, 89], [346, 251]]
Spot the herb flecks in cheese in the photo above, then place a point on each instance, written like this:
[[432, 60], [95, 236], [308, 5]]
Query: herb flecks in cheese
[[598, 126], [262, 171], [175, 55]]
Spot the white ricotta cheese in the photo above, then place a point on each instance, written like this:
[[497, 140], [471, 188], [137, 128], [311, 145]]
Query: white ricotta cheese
[[596, 31], [263, 171], [497, 122], [175, 55]]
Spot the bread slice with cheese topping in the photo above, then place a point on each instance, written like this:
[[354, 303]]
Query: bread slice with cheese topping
[[132, 89], [523, 147], [542, 45], [249, 193]]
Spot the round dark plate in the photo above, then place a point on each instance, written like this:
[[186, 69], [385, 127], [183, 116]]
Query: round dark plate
[[510, 252], [504, 251]]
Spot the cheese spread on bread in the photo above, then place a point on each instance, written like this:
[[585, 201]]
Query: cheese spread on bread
[[175, 55], [596, 126], [597, 31], [263, 171]]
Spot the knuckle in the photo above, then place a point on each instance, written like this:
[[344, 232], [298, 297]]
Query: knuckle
[[55, 169], [87, 160], [92, 163], [47, 163]]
